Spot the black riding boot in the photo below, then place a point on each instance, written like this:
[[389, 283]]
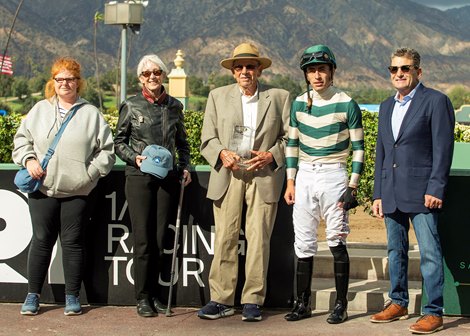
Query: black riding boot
[[341, 267], [302, 308]]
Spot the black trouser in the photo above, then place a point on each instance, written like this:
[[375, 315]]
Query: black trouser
[[150, 201], [53, 217]]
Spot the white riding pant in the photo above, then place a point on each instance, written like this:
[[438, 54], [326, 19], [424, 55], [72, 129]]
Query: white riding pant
[[318, 188]]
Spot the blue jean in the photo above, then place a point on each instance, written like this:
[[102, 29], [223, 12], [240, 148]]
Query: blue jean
[[432, 271]]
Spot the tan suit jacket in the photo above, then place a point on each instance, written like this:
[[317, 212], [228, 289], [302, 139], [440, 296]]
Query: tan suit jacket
[[223, 112]]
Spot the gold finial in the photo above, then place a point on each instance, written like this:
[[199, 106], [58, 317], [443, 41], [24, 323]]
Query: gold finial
[[179, 60]]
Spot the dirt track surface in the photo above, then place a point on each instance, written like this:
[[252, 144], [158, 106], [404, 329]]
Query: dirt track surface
[[365, 229], [104, 321]]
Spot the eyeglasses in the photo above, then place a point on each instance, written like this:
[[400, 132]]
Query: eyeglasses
[[403, 68], [240, 67], [319, 55], [155, 72], [61, 80]]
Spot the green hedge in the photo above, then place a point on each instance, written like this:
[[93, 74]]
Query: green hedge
[[366, 184], [8, 127], [193, 122]]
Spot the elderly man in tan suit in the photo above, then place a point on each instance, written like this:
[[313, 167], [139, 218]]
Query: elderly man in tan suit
[[258, 117]]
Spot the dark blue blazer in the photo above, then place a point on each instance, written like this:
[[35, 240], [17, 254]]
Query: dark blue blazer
[[418, 162]]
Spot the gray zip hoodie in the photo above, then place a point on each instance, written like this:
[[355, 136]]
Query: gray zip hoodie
[[85, 151]]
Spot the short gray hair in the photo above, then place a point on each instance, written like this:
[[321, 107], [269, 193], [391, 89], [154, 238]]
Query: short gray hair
[[408, 53], [152, 58]]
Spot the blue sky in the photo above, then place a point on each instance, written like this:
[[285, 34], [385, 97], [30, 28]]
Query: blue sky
[[443, 4]]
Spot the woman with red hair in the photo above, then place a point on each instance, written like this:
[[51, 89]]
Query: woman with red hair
[[84, 153]]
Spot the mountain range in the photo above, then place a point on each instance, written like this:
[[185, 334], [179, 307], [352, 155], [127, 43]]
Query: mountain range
[[361, 33]]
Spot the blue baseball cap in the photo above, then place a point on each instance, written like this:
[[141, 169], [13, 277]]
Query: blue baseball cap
[[159, 161]]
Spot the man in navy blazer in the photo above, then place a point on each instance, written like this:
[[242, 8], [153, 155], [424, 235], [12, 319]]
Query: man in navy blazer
[[413, 157]]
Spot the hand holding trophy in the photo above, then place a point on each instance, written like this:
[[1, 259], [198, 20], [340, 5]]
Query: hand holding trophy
[[241, 143]]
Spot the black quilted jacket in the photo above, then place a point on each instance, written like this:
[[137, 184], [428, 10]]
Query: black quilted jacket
[[142, 123]]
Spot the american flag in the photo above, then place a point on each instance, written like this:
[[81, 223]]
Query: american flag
[[6, 65]]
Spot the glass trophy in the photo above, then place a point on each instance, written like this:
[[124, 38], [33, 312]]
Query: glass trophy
[[241, 143]]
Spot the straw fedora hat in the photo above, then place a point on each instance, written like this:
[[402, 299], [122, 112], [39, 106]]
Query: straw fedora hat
[[246, 51]]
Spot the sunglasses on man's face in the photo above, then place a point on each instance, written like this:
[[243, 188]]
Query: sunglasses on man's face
[[147, 73], [403, 68], [239, 67]]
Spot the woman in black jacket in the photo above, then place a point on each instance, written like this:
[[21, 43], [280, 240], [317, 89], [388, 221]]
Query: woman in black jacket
[[151, 118]]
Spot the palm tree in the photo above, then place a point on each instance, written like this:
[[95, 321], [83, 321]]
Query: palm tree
[[98, 17]]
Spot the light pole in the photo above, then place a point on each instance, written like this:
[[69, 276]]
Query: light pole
[[128, 14]]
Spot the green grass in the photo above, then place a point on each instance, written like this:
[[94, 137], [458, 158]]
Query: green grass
[[15, 105], [109, 101], [196, 103]]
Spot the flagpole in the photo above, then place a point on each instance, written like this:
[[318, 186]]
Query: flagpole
[[9, 33]]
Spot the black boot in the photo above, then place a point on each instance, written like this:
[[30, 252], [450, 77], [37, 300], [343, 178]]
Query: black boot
[[302, 308], [339, 314], [341, 267]]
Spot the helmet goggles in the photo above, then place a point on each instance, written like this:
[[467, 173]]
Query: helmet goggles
[[315, 57]]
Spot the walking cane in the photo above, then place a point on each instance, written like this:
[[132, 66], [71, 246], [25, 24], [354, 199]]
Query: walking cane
[[175, 247]]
